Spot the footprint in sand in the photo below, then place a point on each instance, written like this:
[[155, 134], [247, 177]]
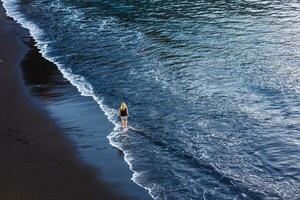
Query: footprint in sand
[[19, 139]]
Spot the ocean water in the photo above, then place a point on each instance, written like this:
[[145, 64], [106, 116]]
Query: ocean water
[[213, 88]]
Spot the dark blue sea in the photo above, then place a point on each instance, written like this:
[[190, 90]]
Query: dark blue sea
[[212, 86]]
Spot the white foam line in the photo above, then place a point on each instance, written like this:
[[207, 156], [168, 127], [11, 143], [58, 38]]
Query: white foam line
[[84, 88], [127, 160]]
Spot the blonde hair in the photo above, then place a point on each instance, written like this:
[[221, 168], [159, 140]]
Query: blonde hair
[[123, 106]]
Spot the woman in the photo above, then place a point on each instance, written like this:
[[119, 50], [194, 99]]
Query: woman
[[123, 113]]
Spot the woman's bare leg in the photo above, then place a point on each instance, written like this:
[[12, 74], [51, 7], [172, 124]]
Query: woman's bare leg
[[125, 123]]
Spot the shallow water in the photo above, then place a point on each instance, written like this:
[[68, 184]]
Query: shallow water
[[213, 88]]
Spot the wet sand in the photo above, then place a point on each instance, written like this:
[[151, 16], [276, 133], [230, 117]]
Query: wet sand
[[37, 162]]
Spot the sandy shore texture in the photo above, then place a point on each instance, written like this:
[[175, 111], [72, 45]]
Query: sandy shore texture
[[37, 162]]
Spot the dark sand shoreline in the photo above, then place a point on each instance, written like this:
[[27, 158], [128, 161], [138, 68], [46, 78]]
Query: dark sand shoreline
[[82, 121], [36, 161]]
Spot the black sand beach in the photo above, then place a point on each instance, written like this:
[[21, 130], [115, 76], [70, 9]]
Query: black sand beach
[[36, 161], [212, 87]]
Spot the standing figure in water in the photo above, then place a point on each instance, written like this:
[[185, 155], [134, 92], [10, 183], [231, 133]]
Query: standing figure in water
[[123, 113]]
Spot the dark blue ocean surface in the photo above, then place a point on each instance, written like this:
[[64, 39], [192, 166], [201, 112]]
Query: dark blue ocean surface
[[213, 88]]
